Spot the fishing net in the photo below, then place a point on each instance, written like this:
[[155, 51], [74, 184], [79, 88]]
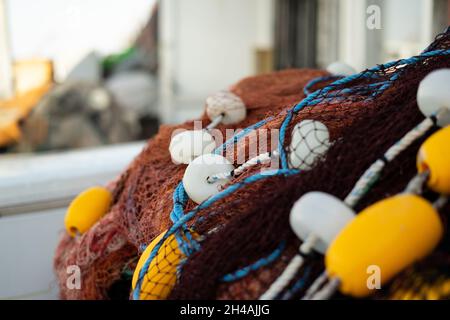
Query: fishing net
[[235, 261], [426, 280], [236, 243], [142, 195]]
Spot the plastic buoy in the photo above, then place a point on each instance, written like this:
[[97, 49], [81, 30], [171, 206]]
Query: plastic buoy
[[340, 69], [310, 140], [320, 215], [226, 104], [434, 157], [389, 235], [433, 95], [86, 209], [195, 179], [161, 274], [187, 145]]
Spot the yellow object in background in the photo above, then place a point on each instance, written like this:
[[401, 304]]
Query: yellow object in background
[[9, 126], [25, 102], [434, 156], [421, 285], [161, 275], [32, 79], [31, 74], [13, 110], [86, 209], [390, 235]]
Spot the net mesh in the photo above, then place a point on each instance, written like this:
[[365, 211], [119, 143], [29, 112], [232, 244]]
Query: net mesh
[[371, 127], [143, 193], [236, 243], [426, 280]]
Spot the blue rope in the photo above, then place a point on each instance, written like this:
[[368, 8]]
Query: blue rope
[[241, 135], [188, 216], [313, 82], [180, 196], [241, 273], [179, 199], [311, 99]]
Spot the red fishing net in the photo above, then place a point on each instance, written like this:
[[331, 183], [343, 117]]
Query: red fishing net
[[364, 115], [143, 193], [370, 128]]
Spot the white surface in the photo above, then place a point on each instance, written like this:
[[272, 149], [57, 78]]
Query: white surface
[[206, 46], [28, 236], [215, 42], [6, 85], [353, 33], [27, 246], [408, 22], [67, 30], [31, 180]]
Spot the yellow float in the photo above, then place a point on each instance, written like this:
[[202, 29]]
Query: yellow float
[[86, 209], [389, 235], [161, 274], [434, 157]]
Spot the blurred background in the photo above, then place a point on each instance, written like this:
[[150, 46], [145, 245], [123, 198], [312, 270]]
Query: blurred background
[[113, 70], [83, 83]]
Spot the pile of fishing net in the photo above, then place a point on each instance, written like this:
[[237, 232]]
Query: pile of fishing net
[[142, 195], [237, 243]]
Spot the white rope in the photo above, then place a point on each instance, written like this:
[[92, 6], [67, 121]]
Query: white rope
[[409, 138], [440, 202], [283, 280], [315, 286], [415, 185], [289, 272], [370, 176], [262, 158], [363, 185], [327, 291], [215, 122], [366, 181]]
